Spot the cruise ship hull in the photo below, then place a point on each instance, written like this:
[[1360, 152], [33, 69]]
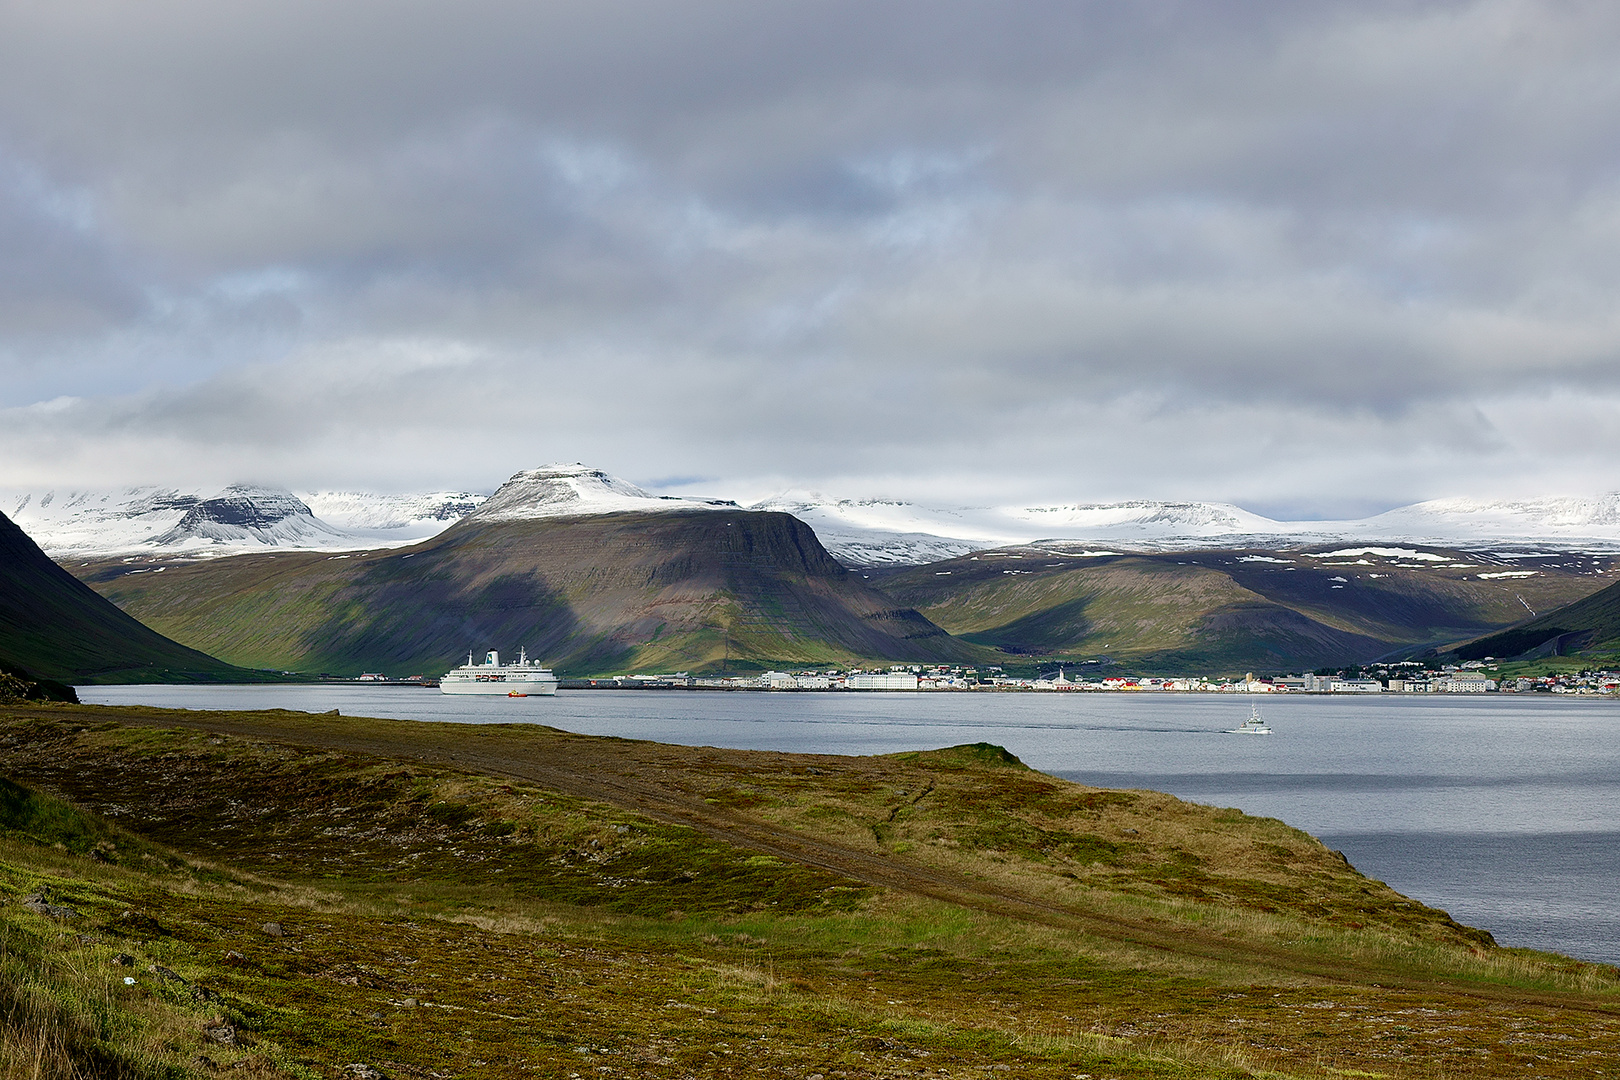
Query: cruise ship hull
[[499, 686], [495, 679]]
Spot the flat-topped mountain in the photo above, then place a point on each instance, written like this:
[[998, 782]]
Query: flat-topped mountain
[[595, 574], [578, 491], [241, 513], [682, 588]]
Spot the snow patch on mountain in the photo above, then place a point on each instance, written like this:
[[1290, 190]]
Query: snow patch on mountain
[[865, 532], [878, 532], [241, 518], [393, 517], [868, 532], [854, 547], [89, 523], [577, 491], [1155, 519], [1566, 518], [859, 532], [1409, 554], [245, 516]]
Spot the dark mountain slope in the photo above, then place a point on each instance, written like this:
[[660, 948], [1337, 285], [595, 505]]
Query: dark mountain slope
[[1589, 623], [632, 591], [57, 628]]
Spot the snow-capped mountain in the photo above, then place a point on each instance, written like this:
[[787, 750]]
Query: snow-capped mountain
[[574, 491], [393, 517], [152, 520], [875, 532], [243, 515], [1556, 519], [871, 532], [859, 532], [244, 518]]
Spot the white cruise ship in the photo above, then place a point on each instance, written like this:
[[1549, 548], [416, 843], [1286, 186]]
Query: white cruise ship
[[522, 679]]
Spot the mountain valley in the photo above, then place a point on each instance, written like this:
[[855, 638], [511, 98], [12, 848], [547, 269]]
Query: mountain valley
[[596, 574], [1271, 610]]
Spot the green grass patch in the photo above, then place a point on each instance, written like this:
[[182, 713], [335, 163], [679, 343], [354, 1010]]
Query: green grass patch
[[435, 921]]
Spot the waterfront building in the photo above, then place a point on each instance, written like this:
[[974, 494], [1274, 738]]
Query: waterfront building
[[894, 680]]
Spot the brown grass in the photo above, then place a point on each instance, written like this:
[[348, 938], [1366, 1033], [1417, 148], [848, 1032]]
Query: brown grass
[[925, 914]]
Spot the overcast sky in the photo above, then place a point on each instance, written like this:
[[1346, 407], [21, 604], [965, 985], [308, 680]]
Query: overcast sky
[[1314, 258]]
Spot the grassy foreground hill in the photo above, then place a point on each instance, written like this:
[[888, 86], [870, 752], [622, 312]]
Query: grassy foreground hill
[[1233, 610], [57, 628], [649, 591], [277, 894]]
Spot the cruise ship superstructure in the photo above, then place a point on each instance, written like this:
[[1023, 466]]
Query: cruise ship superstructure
[[522, 679]]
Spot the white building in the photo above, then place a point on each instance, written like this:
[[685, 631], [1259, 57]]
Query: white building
[[894, 680], [1058, 682]]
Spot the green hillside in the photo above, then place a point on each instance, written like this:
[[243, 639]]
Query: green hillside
[[55, 627], [662, 591], [1591, 623], [1230, 610], [273, 895]]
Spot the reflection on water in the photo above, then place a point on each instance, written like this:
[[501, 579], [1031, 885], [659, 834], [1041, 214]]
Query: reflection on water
[[1502, 810]]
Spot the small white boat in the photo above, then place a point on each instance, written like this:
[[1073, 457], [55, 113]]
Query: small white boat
[[1252, 726], [493, 678]]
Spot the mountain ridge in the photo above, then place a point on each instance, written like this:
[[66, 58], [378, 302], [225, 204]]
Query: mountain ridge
[[867, 532], [877, 532]]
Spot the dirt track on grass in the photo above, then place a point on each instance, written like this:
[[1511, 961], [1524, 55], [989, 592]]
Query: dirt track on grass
[[672, 783]]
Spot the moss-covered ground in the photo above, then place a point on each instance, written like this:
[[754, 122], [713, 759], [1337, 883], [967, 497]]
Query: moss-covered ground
[[277, 894]]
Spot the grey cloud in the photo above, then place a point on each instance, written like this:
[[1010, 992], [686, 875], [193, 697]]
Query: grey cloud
[[408, 414], [834, 240], [57, 275]]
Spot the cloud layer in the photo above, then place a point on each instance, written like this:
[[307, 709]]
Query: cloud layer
[[1313, 258]]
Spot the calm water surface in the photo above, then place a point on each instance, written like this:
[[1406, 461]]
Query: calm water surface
[[1505, 811]]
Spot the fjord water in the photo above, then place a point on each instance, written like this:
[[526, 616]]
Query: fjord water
[[1504, 811]]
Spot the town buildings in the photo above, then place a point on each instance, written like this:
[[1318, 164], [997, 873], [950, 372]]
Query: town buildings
[[1403, 678]]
